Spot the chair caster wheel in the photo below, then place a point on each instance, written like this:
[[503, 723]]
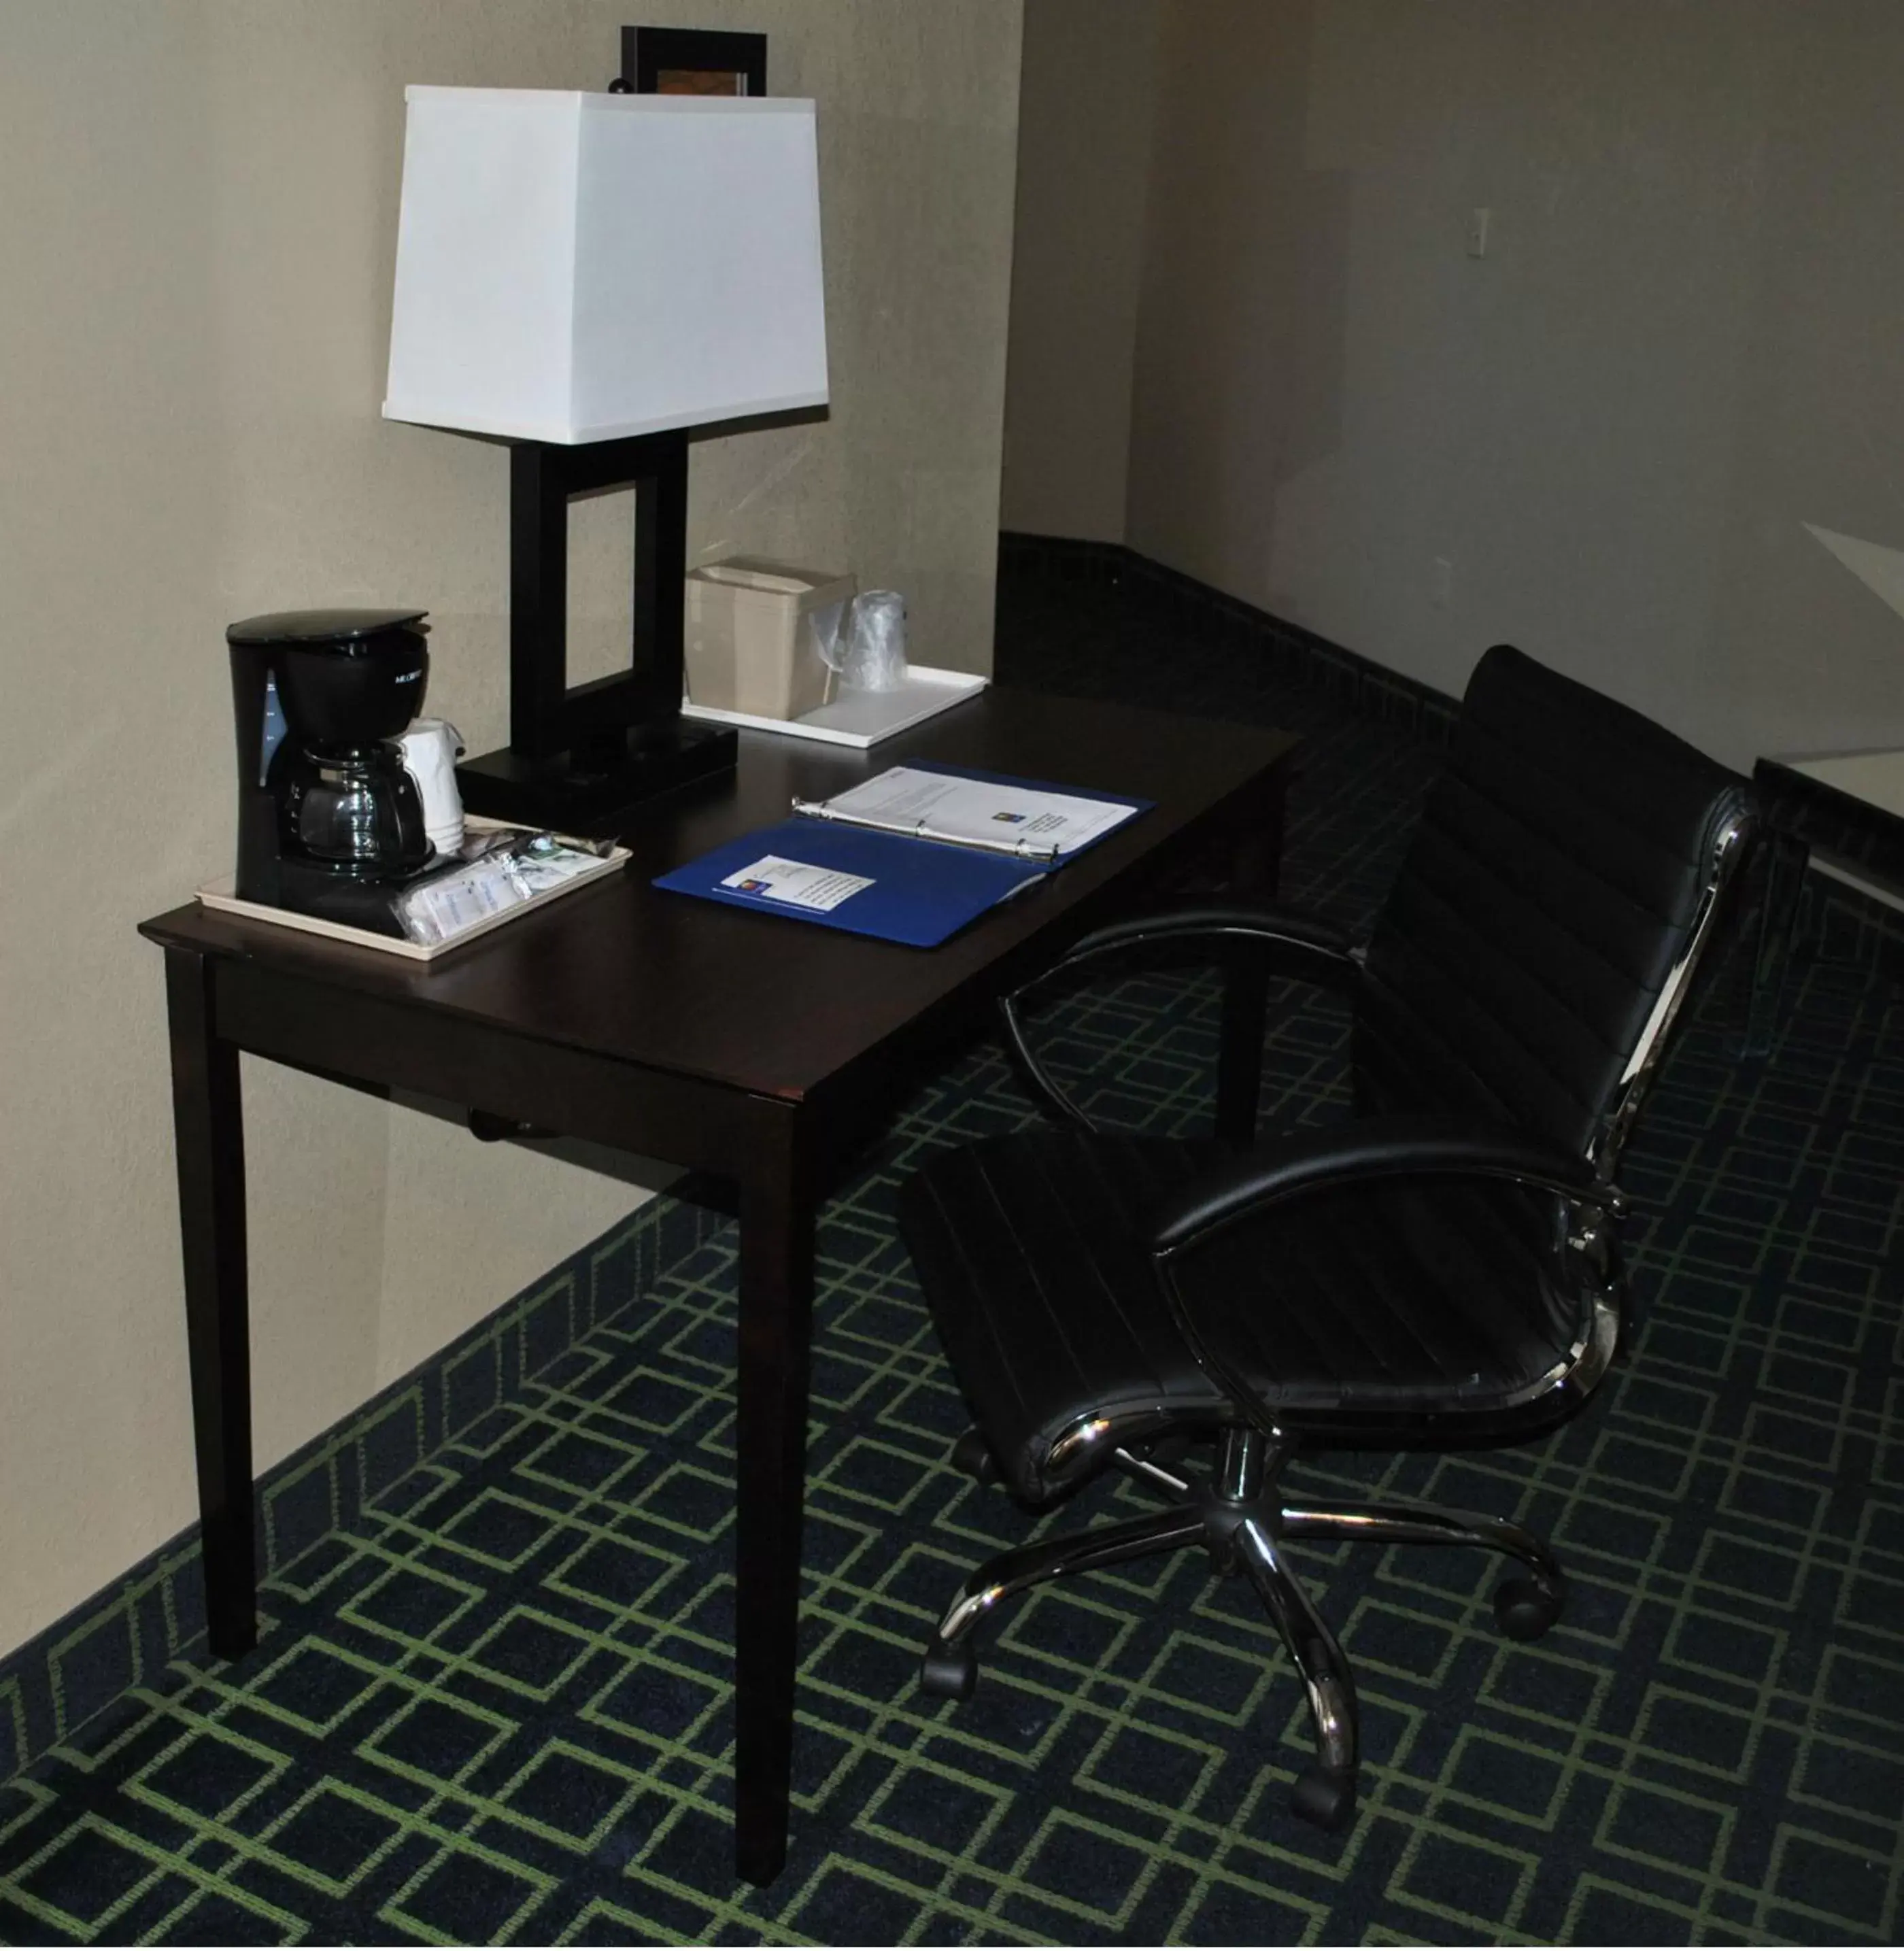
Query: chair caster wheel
[[1323, 1796], [1525, 1609], [948, 1673], [973, 1454]]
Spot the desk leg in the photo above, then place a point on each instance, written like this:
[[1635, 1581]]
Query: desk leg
[[1239, 1062], [1786, 859], [1246, 983], [209, 1125], [776, 1326]]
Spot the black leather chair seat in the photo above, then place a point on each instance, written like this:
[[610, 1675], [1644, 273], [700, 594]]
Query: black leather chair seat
[[1030, 1252], [1393, 1300]]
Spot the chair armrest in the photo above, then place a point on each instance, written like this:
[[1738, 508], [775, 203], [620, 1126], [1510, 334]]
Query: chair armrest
[[1304, 945], [1402, 1145], [1299, 945]]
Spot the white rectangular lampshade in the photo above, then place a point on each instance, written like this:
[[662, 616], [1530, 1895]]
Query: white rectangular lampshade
[[576, 267]]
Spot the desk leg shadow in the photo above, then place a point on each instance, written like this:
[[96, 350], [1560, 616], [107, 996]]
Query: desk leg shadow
[[776, 1313]]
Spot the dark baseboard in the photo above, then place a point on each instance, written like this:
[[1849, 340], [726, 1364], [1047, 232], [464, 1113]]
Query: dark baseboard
[[124, 1636], [1365, 686], [1066, 558]]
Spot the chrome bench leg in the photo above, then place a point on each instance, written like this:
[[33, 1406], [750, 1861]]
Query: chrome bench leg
[[949, 1668], [1325, 1791], [1525, 1608]]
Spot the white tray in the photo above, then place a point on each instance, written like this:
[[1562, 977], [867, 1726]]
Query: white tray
[[861, 718], [218, 895]]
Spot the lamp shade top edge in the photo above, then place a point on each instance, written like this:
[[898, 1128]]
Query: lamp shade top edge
[[616, 104]]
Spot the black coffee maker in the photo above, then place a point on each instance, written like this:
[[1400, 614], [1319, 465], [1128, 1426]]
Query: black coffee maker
[[329, 822]]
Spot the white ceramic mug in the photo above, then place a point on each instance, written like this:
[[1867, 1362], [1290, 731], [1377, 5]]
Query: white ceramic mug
[[431, 748]]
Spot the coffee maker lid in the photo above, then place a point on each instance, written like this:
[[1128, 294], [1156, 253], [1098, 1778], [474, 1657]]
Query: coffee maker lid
[[348, 629]]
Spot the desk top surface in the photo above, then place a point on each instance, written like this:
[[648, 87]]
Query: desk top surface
[[623, 971], [1875, 778]]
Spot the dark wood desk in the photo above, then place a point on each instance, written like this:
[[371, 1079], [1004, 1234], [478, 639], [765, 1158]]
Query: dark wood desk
[[765, 1052], [1838, 814]]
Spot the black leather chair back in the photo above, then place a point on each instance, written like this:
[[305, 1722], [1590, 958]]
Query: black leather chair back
[[1551, 888]]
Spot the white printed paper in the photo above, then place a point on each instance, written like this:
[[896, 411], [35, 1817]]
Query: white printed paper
[[772, 879], [939, 806]]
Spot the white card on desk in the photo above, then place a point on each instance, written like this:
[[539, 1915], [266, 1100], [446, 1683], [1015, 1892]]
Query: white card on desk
[[772, 879]]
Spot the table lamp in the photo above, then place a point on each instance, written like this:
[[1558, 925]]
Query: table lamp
[[585, 278]]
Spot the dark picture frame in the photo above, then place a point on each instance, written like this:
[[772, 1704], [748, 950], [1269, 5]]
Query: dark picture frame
[[693, 61]]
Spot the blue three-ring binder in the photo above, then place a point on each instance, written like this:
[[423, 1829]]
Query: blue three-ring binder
[[923, 891]]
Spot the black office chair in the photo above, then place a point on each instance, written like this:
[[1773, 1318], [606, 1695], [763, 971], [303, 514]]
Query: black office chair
[[1443, 1271]]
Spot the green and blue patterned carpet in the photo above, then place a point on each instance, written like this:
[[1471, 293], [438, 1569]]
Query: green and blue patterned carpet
[[498, 1709]]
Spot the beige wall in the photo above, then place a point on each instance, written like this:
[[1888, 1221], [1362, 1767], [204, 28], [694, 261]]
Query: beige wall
[[1083, 159], [1679, 350], [1681, 346], [196, 243]]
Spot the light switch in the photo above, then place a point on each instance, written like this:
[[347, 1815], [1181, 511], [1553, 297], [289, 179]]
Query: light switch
[[1478, 223]]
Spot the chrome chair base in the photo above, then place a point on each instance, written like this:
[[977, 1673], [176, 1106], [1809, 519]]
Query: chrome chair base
[[1239, 1518]]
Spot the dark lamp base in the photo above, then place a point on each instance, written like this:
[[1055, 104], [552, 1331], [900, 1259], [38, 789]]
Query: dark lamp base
[[564, 794]]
